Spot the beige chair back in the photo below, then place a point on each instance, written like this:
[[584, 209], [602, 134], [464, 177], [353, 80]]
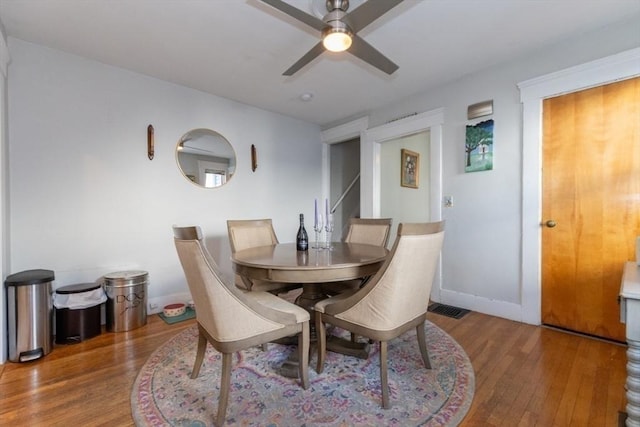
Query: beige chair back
[[215, 300], [400, 290], [250, 233], [370, 231], [395, 300], [232, 320]]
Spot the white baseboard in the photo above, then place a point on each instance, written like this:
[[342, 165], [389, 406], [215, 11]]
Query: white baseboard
[[506, 310]]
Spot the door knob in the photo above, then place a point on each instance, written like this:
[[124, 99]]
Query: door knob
[[551, 223]]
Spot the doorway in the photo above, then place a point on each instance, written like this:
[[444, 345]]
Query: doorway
[[344, 184], [405, 204], [590, 206], [371, 141]]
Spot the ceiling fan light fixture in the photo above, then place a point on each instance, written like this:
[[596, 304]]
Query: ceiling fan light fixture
[[339, 29], [337, 39]]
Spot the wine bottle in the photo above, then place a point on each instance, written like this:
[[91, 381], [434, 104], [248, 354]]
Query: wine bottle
[[302, 240]]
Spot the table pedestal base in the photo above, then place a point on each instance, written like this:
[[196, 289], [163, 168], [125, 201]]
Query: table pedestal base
[[311, 294], [307, 299], [346, 347], [290, 367]]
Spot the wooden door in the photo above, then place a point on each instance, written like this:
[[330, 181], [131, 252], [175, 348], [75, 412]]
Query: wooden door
[[591, 192]]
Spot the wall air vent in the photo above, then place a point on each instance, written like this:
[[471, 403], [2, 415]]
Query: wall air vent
[[401, 117]]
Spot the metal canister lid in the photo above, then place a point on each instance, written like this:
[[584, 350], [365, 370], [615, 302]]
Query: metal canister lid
[[29, 277], [126, 278]]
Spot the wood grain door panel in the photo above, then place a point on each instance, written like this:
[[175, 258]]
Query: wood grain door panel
[[591, 190]]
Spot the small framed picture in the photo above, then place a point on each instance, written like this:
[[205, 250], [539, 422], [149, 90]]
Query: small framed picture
[[409, 168]]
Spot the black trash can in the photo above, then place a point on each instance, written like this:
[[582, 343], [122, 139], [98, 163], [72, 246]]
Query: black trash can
[[77, 309], [30, 314]]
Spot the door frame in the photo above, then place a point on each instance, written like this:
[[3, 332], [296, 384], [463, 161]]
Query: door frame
[[430, 121], [621, 66], [336, 135], [370, 162]]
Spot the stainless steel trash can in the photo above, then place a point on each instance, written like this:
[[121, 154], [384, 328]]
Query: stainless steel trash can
[[126, 300], [30, 314]]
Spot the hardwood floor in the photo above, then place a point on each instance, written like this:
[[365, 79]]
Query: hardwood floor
[[534, 376], [525, 376]]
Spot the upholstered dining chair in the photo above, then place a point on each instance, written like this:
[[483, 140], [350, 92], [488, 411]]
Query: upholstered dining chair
[[394, 301], [370, 231], [231, 319], [251, 233]]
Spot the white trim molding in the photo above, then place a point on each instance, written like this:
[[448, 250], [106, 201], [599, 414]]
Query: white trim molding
[[431, 121], [371, 164], [617, 67], [341, 133], [621, 66]]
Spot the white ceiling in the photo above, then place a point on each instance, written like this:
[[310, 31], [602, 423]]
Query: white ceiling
[[238, 49]]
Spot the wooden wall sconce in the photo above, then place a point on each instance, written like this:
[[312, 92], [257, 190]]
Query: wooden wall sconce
[[254, 158], [150, 142]]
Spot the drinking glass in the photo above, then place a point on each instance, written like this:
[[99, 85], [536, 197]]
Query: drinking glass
[[317, 227], [329, 229]]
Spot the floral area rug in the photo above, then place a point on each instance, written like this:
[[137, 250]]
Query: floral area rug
[[347, 393]]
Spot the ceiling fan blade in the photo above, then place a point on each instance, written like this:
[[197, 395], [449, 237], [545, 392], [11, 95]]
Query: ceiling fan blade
[[308, 57], [296, 13], [368, 12], [370, 55]]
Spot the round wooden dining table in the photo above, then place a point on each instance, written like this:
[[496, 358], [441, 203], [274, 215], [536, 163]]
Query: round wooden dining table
[[282, 263]]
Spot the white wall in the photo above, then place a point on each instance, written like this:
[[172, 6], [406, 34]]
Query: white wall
[[86, 200], [482, 262]]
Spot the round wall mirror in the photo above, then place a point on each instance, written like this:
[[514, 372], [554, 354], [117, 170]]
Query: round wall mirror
[[205, 158]]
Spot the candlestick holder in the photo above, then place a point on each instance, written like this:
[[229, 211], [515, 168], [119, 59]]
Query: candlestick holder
[[329, 229], [317, 227]]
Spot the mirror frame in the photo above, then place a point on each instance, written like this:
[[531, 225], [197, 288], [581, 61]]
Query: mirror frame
[[203, 152]]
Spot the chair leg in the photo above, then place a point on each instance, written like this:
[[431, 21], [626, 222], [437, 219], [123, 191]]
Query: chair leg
[[321, 334], [422, 343], [202, 346], [303, 355], [384, 380], [225, 385]]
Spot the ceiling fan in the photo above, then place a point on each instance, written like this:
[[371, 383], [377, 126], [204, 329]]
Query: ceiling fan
[[339, 31]]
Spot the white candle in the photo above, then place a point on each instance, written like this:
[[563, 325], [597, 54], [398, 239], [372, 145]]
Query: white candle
[[315, 223], [326, 204]]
